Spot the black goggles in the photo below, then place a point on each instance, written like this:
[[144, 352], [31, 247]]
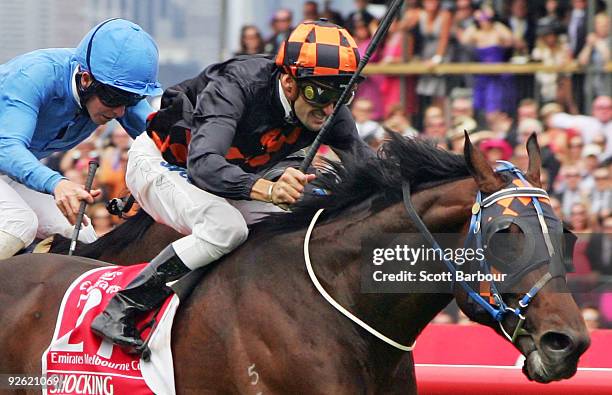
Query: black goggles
[[114, 97], [320, 95]]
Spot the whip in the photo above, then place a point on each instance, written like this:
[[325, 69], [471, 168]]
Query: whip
[[378, 36], [91, 172]]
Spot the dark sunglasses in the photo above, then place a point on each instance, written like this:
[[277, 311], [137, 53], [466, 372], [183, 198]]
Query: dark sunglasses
[[114, 97], [321, 96]]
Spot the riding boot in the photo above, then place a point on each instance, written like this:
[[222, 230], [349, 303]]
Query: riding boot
[[146, 292]]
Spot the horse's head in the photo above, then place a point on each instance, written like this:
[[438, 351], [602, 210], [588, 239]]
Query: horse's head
[[515, 225]]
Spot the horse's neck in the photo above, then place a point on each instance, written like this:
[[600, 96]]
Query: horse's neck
[[398, 316]]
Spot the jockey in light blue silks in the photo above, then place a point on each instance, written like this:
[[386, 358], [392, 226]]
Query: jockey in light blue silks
[[52, 99]]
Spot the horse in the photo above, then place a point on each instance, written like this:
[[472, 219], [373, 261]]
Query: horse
[[256, 324]]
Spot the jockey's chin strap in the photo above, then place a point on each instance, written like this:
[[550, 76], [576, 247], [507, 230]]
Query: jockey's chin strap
[[330, 299], [499, 310]]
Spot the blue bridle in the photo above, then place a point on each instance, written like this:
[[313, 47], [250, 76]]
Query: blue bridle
[[475, 235]]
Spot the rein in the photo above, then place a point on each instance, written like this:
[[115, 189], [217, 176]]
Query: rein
[[330, 299]]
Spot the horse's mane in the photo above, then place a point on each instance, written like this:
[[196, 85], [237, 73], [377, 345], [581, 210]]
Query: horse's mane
[[372, 184], [112, 242], [358, 184]]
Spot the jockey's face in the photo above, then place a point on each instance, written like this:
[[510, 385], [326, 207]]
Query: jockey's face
[[101, 114], [313, 117], [98, 112]]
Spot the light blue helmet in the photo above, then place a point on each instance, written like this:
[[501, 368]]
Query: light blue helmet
[[120, 54]]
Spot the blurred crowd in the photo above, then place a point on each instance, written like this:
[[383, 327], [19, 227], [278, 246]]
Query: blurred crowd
[[109, 146], [570, 113]]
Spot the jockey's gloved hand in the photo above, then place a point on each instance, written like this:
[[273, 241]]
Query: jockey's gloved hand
[[68, 197], [289, 187]]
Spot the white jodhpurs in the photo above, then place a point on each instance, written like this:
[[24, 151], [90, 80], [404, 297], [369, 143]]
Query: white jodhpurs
[[27, 214], [212, 225], [9, 245]]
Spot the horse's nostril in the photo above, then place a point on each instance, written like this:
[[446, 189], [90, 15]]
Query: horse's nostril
[[556, 342]]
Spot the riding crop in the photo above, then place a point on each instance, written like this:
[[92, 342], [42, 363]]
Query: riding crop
[[378, 36], [91, 172]]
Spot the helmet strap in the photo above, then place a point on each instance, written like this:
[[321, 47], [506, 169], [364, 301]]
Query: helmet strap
[[292, 118], [85, 93]]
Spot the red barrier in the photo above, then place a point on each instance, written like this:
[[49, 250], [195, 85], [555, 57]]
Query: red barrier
[[473, 359]]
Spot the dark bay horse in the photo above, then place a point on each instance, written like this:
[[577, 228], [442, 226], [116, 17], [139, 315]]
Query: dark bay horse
[[256, 324]]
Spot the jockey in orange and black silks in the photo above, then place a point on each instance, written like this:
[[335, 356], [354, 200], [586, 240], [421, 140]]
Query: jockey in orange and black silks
[[240, 113], [198, 168]]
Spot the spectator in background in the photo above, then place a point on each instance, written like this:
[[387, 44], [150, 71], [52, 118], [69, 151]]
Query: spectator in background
[[113, 164], [463, 17], [554, 14], [579, 218], [491, 40], [332, 15], [391, 86], [555, 204], [370, 87], [601, 196], [546, 113], [528, 126], [576, 33], [398, 122], [520, 157], [369, 130], [456, 140], [590, 126], [596, 53], [570, 192], [434, 24], [523, 28], [462, 107], [502, 123], [599, 249], [79, 157], [435, 129], [433, 112], [575, 144], [577, 27], [100, 219], [495, 149], [360, 15], [456, 135], [310, 11], [251, 42], [589, 162], [551, 50], [527, 108], [282, 25]]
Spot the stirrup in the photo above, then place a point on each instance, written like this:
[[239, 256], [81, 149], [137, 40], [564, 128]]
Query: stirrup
[[144, 351]]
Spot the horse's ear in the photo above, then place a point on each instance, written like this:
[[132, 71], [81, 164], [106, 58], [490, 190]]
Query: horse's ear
[[535, 161], [480, 169]]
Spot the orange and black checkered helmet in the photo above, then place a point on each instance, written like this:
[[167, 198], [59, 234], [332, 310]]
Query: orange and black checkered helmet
[[319, 49]]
